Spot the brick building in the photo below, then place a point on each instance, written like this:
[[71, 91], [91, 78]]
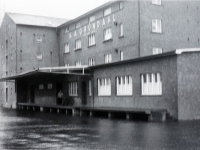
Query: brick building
[[123, 54]]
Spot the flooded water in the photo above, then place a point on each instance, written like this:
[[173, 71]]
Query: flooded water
[[21, 129]]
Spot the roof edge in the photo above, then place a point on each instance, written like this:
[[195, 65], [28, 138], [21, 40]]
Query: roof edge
[[186, 50]]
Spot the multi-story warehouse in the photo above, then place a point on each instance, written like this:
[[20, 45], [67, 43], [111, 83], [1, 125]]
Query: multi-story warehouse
[[123, 54]]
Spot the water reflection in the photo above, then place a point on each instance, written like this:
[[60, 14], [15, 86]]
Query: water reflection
[[34, 130]]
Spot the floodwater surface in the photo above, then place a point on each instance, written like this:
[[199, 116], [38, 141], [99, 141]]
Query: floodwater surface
[[21, 129]]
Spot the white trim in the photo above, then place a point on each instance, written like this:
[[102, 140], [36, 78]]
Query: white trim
[[180, 51]]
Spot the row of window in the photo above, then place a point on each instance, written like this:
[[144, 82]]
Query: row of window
[[106, 12], [151, 84], [107, 35]]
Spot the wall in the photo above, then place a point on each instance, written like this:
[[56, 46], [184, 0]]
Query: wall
[[128, 44], [188, 86], [179, 20], [168, 100]]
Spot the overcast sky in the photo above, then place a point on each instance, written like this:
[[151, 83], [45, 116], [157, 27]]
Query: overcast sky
[[68, 9]]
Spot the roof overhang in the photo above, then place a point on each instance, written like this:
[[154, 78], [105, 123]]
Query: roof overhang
[[51, 71]]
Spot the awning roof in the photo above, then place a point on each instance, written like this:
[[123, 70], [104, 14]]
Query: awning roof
[[72, 70]]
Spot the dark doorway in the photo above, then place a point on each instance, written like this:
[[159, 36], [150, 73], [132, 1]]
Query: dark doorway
[[32, 94], [58, 89], [84, 93]]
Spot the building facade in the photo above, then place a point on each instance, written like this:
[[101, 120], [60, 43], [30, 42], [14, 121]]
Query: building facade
[[123, 54]]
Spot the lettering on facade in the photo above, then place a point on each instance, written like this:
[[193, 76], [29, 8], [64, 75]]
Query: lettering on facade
[[92, 27]]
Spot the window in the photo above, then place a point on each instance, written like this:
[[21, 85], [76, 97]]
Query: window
[[121, 55], [91, 39], [67, 65], [78, 63], [107, 11], [107, 33], [156, 2], [104, 87], [90, 87], [91, 62], [151, 84], [2, 46], [157, 51], [91, 19], [124, 85], [78, 44], [73, 88], [50, 86], [39, 39], [121, 30], [108, 58], [41, 87], [66, 47], [156, 26], [78, 25], [121, 5], [66, 29]]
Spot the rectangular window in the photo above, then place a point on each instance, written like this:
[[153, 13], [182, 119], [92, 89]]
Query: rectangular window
[[121, 5], [90, 87], [66, 47], [151, 84], [107, 11], [91, 19], [91, 39], [78, 44], [50, 86], [108, 58], [124, 85], [73, 89], [107, 33], [91, 62], [121, 55], [66, 29], [104, 87], [67, 65], [78, 25], [156, 2], [41, 87], [157, 51], [156, 26], [121, 30], [78, 63]]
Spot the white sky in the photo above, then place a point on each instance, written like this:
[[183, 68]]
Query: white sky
[[68, 9]]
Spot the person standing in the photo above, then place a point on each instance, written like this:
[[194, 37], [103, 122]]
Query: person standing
[[60, 97]]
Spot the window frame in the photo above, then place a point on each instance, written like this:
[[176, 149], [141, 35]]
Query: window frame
[[89, 40], [92, 20], [157, 50], [77, 44], [107, 11], [73, 88], [91, 61], [66, 50], [121, 30], [107, 58], [104, 90], [122, 88], [104, 34], [157, 2], [156, 25], [90, 87]]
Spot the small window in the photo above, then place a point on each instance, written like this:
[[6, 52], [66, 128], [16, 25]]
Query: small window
[[78, 25], [91, 19], [121, 30], [107, 11], [104, 87], [121, 6], [39, 39], [66, 47], [156, 26], [78, 44], [50, 86], [91, 62], [73, 89], [156, 2], [157, 51], [2, 46], [108, 58], [151, 84], [121, 55], [90, 87], [39, 57], [78, 63], [41, 87], [107, 34], [124, 85], [67, 65], [66, 29], [91, 39]]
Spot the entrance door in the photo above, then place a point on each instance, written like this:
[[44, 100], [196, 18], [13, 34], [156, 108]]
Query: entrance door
[[84, 93], [32, 94]]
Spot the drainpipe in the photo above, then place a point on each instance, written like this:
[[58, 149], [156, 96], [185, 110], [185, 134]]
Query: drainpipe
[[139, 27]]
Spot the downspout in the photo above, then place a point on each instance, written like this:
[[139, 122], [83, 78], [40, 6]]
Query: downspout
[[139, 28]]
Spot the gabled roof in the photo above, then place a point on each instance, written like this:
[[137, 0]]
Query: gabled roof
[[23, 19]]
